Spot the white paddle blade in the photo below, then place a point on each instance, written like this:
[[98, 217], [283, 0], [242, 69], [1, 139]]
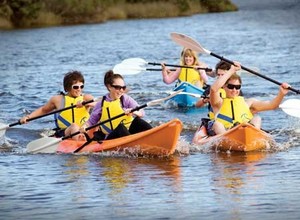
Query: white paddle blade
[[3, 128], [188, 42], [125, 69], [291, 107], [158, 101], [187, 93], [43, 145], [135, 62]]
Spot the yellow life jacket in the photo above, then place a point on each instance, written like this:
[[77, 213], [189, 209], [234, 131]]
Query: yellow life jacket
[[234, 110], [110, 110], [74, 115], [190, 75], [211, 113]]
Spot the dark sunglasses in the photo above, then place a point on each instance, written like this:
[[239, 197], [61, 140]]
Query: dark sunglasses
[[77, 87], [231, 86], [117, 87]]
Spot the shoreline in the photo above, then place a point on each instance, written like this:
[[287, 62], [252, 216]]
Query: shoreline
[[61, 13]]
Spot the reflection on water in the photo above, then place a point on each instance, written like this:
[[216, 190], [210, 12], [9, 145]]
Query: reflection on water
[[118, 174], [234, 169], [234, 176]]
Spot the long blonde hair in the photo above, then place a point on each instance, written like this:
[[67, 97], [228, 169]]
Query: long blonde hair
[[188, 52]]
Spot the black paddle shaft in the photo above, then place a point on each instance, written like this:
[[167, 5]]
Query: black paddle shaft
[[50, 113], [100, 123], [190, 67], [255, 73], [103, 122]]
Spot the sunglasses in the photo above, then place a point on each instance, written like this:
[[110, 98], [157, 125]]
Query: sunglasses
[[77, 87], [117, 87], [231, 86]]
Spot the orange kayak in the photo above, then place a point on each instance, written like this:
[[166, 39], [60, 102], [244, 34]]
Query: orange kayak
[[243, 137], [160, 140]]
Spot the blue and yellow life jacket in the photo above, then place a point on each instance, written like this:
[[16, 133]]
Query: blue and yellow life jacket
[[110, 110], [74, 115], [190, 75], [234, 110]]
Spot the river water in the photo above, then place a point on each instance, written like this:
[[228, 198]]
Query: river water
[[192, 184]]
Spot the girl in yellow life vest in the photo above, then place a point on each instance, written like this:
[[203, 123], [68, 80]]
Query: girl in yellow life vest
[[114, 103], [68, 121], [193, 76], [240, 110], [75, 115]]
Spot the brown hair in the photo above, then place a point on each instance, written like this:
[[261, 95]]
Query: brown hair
[[234, 77], [110, 77], [223, 65], [72, 77]]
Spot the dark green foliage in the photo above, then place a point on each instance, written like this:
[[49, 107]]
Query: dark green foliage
[[21, 9], [218, 5], [29, 13]]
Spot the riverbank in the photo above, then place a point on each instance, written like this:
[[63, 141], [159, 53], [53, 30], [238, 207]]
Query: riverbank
[[39, 13]]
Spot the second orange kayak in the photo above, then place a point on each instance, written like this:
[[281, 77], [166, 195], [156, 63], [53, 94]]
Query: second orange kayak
[[243, 137]]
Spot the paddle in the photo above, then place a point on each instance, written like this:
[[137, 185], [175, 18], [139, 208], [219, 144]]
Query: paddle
[[188, 93], [132, 66], [291, 107], [188, 42], [3, 127], [125, 69], [50, 144]]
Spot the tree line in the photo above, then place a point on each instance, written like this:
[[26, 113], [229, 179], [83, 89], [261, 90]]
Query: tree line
[[41, 13]]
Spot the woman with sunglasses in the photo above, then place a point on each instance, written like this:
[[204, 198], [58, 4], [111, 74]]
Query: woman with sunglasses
[[234, 108], [68, 121], [114, 103]]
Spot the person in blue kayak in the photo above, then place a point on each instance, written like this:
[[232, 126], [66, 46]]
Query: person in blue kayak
[[192, 75], [68, 121], [234, 108], [114, 103]]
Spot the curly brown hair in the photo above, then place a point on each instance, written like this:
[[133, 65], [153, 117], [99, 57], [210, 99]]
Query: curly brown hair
[[71, 78]]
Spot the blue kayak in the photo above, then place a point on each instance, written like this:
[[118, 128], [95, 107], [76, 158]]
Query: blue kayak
[[185, 100]]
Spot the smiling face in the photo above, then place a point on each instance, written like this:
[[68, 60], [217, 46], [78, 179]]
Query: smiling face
[[76, 89], [73, 82], [232, 88], [117, 88], [189, 60], [189, 57]]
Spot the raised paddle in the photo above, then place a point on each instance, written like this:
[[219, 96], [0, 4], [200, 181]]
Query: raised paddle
[[188, 42], [136, 65], [50, 144], [3, 127]]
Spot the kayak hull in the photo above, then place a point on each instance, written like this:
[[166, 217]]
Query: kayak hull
[[160, 140], [243, 137], [185, 100]]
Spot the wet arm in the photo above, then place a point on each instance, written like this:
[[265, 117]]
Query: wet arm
[[169, 76], [258, 105]]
